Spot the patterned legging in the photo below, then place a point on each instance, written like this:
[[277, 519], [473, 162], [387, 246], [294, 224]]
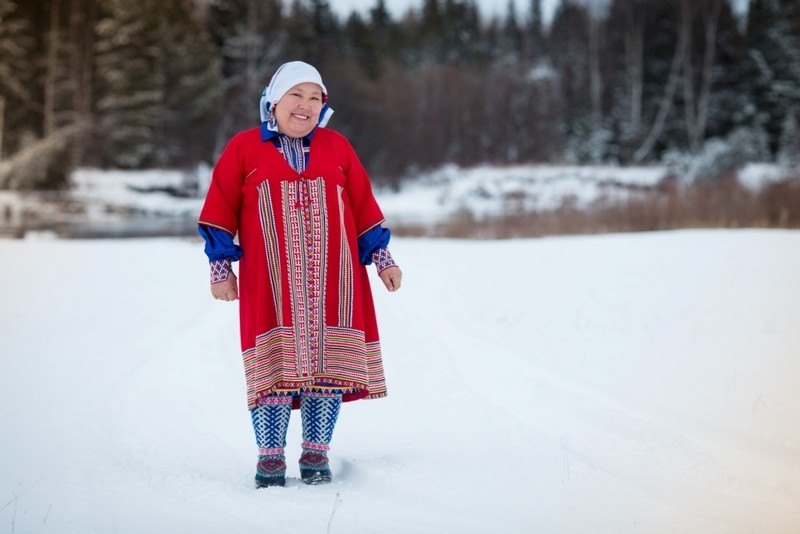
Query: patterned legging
[[318, 411]]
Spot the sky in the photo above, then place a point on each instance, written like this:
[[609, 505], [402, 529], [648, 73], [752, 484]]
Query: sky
[[398, 7], [488, 8]]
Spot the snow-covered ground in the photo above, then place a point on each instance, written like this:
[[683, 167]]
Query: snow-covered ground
[[643, 383]]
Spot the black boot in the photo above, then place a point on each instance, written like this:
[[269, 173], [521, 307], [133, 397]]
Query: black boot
[[314, 468]]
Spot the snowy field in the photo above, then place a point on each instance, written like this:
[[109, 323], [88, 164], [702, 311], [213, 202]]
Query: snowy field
[[643, 383]]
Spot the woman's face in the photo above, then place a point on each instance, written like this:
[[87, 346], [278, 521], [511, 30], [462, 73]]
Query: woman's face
[[297, 112]]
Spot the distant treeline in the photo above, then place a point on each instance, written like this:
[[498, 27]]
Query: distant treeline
[[165, 83]]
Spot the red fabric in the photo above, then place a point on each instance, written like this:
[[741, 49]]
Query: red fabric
[[300, 265]]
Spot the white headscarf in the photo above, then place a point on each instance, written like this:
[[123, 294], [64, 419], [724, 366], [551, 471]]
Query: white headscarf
[[287, 76]]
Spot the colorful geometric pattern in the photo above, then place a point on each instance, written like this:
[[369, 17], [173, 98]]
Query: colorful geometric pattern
[[307, 248], [267, 215], [345, 269], [319, 412], [270, 471], [313, 460], [383, 259], [377, 377], [294, 151], [250, 198], [271, 466], [220, 270], [270, 423], [271, 366]]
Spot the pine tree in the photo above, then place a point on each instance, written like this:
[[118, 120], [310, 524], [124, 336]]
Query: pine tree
[[509, 48], [158, 78], [725, 105], [362, 45], [430, 41], [569, 45], [535, 34], [789, 144], [251, 40], [771, 65], [16, 76], [325, 39]]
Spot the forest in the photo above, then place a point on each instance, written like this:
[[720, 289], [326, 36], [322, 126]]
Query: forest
[[165, 83]]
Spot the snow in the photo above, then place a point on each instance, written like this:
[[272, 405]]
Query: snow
[[426, 199], [139, 191], [620, 384], [755, 176], [492, 191]]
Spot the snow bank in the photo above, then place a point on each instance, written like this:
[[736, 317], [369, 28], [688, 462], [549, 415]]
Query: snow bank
[[754, 176], [155, 192], [488, 190]]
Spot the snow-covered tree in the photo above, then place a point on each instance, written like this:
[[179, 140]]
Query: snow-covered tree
[[570, 52], [789, 144], [772, 64]]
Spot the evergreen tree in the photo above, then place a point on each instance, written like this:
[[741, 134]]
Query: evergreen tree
[[158, 81], [460, 42], [535, 34], [509, 49], [430, 42], [251, 40], [771, 65], [725, 105], [667, 31], [569, 45], [361, 44], [789, 144], [16, 76], [325, 34]]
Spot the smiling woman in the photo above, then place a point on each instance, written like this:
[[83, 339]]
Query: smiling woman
[[302, 206], [298, 111]]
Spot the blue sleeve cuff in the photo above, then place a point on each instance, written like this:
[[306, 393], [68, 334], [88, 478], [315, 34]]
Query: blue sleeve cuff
[[370, 241], [219, 244]]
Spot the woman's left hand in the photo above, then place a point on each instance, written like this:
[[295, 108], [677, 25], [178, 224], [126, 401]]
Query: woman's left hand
[[391, 277]]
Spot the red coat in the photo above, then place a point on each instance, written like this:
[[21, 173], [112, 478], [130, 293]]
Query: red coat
[[306, 312]]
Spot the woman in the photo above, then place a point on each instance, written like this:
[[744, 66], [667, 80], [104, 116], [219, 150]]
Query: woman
[[302, 205]]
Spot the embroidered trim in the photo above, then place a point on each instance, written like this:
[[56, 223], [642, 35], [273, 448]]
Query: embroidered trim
[[321, 394], [383, 259], [271, 466], [271, 452], [220, 270], [345, 268], [269, 232], [306, 248], [274, 400], [315, 446]]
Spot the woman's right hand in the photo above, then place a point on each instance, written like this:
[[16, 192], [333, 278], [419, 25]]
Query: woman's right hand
[[226, 290]]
